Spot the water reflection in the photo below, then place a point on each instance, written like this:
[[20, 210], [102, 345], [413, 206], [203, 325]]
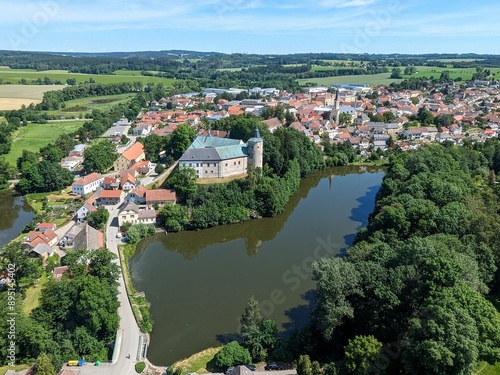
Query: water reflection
[[198, 283], [15, 213]]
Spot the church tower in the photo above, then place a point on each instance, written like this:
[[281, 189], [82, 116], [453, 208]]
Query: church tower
[[256, 149], [335, 114]]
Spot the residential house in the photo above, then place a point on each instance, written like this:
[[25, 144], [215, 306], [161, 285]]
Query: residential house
[[129, 157], [109, 197], [83, 236], [87, 184], [131, 213], [110, 183], [272, 124], [87, 207], [127, 181], [42, 227], [160, 197], [137, 195], [34, 238]]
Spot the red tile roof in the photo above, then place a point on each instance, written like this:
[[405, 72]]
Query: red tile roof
[[134, 151], [160, 195], [116, 194], [88, 179]]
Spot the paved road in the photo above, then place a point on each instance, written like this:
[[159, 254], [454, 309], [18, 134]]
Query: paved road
[[129, 332]]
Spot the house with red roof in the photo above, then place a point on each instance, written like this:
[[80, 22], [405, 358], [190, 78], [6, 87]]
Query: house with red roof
[[109, 197], [87, 184], [160, 197], [42, 227]]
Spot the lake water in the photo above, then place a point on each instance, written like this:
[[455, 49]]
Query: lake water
[[15, 213], [198, 283]]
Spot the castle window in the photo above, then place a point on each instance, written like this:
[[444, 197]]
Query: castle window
[[239, 162]]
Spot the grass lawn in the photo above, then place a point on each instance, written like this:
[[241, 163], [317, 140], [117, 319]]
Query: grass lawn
[[31, 300], [15, 75], [201, 362], [34, 136]]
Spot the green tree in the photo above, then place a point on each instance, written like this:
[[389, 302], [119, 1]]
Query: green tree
[[99, 218], [44, 366], [232, 354], [345, 119], [99, 157], [180, 140], [396, 73], [304, 365], [251, 317], [363, 356], [173, 217], [183, 181], [51, 153]]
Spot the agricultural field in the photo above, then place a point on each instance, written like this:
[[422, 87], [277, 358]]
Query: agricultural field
[[369, 79], [14, 76], [78, 107], [34, 136], [14, 96]]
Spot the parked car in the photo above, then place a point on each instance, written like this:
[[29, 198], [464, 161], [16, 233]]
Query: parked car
[[272, 367], [229, 370], [251, 367]]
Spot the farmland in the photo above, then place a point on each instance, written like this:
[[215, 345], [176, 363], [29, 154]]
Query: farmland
[[14, 76], [13, 96], [369, 79], [34, 136]]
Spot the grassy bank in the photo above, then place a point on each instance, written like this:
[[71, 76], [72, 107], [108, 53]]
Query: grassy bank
[[140, 305], [201, 362]]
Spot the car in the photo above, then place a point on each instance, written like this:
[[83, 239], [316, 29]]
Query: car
[[272, 367], [118, 235], [229, 370], [251, 367]]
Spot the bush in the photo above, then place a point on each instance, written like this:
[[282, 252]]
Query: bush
[[140, 367]]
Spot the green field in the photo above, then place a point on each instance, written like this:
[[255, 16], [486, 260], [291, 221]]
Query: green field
[[15, 75], [369, 79], [34, 136], [321, 68], [78, 107], [383, 78]]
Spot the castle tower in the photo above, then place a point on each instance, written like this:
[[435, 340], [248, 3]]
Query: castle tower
[[256, 149]]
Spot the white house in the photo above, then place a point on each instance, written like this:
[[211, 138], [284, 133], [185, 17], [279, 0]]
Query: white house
[[87, 184], [131, 213]]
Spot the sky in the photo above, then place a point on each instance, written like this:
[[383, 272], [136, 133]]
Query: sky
[[252, 26]]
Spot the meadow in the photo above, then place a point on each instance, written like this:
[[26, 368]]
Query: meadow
[[34, 136]]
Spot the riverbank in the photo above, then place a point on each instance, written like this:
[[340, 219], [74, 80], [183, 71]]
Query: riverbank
[[138, 302]]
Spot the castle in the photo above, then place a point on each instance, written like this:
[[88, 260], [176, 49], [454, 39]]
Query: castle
[[213, 157]]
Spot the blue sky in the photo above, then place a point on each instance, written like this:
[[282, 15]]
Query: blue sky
[[252, 26]]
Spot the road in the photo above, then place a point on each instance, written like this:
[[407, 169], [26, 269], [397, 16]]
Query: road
[[129, 332]]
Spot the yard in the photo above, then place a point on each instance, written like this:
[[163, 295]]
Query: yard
[[34, 136]]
